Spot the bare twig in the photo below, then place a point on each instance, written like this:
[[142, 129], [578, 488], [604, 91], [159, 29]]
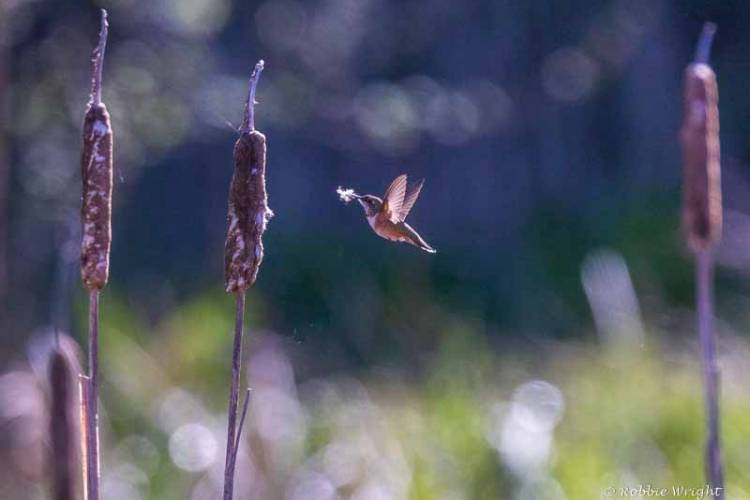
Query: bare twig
[[247, 216], [248, 118]]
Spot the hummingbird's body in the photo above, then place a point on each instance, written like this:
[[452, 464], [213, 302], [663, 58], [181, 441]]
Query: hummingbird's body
[[386, 216]]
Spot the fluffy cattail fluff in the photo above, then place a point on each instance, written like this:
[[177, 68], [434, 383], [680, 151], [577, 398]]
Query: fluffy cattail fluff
[[63, 372], [248, 202], [346, 195], [96, 173], [701, 209]]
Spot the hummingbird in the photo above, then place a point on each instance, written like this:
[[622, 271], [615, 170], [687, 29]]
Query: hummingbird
[[387, 215]]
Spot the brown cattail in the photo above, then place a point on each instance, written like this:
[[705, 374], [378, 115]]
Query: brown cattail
[[701, 209], [248, 202], [96, 173], [96, 213], [701, 217], [65, 452]]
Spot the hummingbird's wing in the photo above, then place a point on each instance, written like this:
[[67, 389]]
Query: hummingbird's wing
[[410, 199], [393, 199]]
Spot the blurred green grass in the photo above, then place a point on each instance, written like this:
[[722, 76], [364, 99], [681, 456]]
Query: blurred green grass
[[630, 416]]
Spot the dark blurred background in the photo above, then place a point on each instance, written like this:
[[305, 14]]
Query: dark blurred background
[[543, 129], [547, 132]]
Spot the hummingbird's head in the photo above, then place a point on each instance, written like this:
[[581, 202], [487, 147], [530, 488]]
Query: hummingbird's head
[[371, 204]]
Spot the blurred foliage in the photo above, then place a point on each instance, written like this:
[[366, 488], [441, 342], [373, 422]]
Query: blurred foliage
[[542, 420]]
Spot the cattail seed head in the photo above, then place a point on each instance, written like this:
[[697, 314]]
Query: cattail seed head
[[96, 174], [96, 206], [248, 211], [701, 209]]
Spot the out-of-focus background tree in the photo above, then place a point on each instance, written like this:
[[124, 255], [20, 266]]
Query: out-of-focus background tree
[[546, 351]]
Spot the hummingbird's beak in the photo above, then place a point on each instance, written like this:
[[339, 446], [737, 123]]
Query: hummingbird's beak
[[359, 199]]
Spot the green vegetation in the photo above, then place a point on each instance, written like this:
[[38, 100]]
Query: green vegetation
[[627, 416]]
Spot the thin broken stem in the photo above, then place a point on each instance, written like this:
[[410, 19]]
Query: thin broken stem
[[239, 429], [242, 420], [248, 118], [704, 305], [98, 62], [703, 49], [92, 406], [232, 434]]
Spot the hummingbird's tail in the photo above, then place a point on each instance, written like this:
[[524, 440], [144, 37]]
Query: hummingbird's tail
[[415, 239], [427, 248]]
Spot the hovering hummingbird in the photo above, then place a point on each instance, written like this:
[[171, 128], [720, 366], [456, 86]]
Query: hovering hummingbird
[[386, 216]]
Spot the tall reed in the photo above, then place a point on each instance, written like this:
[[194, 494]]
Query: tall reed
[[702, 218], [96, 213], [247, 217], [5, 14]]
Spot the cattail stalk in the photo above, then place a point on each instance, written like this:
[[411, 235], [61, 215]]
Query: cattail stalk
[[96, 213], [247, 217], [92, 406], [5, 14], [702, 218], [63, 373]]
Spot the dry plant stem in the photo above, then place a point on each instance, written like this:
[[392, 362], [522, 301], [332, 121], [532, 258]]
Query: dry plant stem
[[235, 450], [248, 119], [62, 425], [5, 11], [247, 216], [96, 80], [703, 49], [92, 394], [96, 241], [704, 305], [242, 423], [234, 391], [702, 221]]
